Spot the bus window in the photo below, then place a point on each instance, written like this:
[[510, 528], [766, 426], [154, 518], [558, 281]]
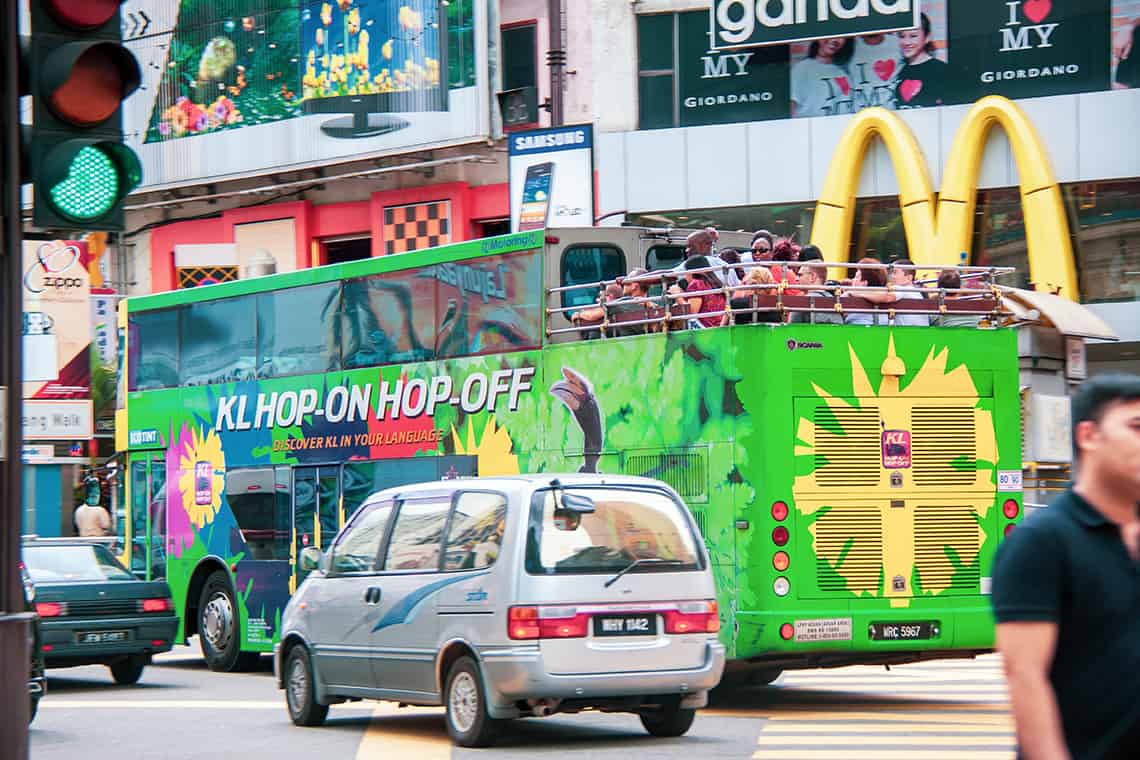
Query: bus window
[[296, 331], [262, 511], [490, 305], [218, 343], [388, 318], [664, 257], [589, 264], [154, 350]]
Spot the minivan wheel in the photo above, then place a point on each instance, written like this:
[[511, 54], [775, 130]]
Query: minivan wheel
[[300, 691], [668, 720], [128, 670], [467, 719]]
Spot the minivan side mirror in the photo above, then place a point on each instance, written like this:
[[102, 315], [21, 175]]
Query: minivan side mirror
[[577, 503], [310, 558]]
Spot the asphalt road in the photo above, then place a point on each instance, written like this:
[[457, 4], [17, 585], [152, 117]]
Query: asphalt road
[[933, 711]]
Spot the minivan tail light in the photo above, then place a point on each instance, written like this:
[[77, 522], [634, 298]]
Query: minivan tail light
[[51, 609], [693, 617], [546, 623], [522, 623], [157, 605]]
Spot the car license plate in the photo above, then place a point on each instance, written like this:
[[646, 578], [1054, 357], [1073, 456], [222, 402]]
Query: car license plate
[[625, 625], [903, 631], [101, 637]]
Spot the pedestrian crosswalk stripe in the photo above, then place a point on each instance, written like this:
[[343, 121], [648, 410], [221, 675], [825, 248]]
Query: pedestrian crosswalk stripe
[[947, 739]]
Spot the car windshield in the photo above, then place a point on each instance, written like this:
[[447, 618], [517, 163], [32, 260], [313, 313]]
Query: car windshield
[[73, 562], [626, 525]]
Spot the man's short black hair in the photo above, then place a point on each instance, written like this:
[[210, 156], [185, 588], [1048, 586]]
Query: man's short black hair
[[811, 253], [1097, 394]]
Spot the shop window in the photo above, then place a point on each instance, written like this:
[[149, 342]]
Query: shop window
[[153, 360], [296, 331], [1106, 237], [341, 251], [519, 56], [218, 343], [587, 265]]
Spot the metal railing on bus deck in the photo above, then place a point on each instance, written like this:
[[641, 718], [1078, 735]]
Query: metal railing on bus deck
[[981, 298]]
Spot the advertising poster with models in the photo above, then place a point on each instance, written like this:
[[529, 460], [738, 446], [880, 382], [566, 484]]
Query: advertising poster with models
[[237, 87]]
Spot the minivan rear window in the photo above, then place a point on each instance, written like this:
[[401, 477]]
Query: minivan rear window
[[627, 525]]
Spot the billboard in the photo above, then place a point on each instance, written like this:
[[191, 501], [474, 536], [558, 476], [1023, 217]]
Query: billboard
[[951, 224], [751, 23], [239, 87], [551, 175], [953, 52], [56, 320]]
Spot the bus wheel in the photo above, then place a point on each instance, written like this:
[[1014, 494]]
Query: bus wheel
[[219, 630]]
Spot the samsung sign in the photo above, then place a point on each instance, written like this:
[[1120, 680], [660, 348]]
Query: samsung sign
[[750, 23]]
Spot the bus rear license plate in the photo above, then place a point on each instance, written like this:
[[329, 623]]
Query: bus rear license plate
[[902, 631], [625, 625], [101, 637]]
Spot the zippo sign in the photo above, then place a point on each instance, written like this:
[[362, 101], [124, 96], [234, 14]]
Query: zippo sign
[[896, 449], [751, 23]]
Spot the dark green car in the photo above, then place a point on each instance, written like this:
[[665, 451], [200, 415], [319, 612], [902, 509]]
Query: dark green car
[[37, 681], [94, 611]]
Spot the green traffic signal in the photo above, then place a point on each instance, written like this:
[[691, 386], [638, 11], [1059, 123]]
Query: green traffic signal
[[84, 180]]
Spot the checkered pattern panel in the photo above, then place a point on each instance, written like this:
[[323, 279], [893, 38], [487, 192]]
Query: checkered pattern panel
[[416, 226], [192, 277]]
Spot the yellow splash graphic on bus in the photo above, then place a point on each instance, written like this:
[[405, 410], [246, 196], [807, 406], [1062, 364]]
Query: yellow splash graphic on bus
[[201, 479], [888, 523], [495, 450]]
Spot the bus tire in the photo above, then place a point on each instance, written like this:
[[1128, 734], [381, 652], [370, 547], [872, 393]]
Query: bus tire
[[301, 691], [219, 627]]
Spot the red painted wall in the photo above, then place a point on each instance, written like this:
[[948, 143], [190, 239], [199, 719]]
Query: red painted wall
[[313, 222]]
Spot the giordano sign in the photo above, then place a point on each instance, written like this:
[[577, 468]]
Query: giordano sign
[[950, 224]]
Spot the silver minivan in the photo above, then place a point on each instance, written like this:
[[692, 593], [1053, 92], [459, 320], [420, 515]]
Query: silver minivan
[[508, 597]]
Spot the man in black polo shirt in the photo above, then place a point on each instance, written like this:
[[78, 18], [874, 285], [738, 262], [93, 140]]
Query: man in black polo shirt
[[1066, 593]]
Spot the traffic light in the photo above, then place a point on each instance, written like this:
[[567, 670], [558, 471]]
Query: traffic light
[[78, 75]]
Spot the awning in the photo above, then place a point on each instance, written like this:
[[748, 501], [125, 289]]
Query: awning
[[1063, 315]]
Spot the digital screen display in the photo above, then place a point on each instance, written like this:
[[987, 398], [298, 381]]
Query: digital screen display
[[536, 196], [373, 47]]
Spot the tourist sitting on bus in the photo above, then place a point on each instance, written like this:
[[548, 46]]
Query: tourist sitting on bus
[[762, 243], [594, 315], [733, 256], [951, 281], [743, 298], [700, 243], [705, 294], [812, 279], [785, 251], [904, 278], [873, 276]]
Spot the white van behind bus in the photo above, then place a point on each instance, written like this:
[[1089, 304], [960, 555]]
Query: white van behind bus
[[508, 597]]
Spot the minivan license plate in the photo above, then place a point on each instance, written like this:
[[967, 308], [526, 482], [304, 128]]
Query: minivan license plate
[[625, 625], [101, 637]]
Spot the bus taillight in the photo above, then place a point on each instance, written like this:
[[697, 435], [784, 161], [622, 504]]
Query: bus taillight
[[1010, 508], [780, 535], [779, 511], [780, 561], [1009, 529], [787, 631]]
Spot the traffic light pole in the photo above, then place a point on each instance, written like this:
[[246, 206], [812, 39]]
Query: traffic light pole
[[14, 619]]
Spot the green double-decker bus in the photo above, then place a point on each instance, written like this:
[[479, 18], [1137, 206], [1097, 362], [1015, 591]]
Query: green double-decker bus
[[852, 482]]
